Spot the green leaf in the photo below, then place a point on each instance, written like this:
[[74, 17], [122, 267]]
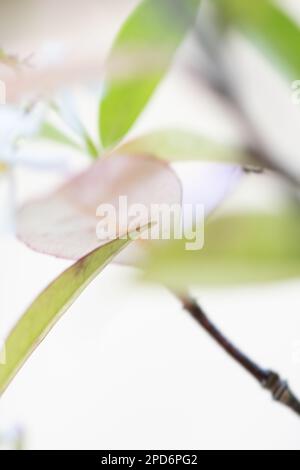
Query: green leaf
[[50, 305], [176, 144], [238, 249], [144, 48], [67, 112], [49, 132], [90, 146], [269, 28]]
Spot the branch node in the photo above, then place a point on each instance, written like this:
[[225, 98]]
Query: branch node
[[270, 380], [281, 392]]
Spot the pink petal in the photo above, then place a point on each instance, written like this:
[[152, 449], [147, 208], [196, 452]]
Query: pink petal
[[206, 184], [63, 224]]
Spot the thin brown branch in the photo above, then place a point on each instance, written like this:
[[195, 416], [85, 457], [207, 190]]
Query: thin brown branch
[[267, 378], [218, 81], [256, 147]]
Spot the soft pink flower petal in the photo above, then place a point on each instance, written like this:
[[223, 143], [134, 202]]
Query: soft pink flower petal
[[206, 184], [63, 224]]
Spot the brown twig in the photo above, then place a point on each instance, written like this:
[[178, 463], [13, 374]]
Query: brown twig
[[267, 378], [218, 80]]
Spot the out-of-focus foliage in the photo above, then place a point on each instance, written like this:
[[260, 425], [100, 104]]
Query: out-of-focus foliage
[[176, 144], [10, 60], [48, 307], [49, 132], [65, 107], [145, 47], [270, 28], [254, 247]]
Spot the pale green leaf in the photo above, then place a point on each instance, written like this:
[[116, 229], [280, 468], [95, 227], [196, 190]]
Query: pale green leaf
[[238, 249], [144, 49], [176, 144], [50, 305], [274, 32], [68, 113], [49, 132], [90, 145]]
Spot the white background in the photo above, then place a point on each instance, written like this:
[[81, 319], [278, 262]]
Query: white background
[[126, 368]]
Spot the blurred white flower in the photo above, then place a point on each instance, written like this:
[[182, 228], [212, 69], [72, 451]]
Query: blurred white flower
[[12, 438], [17, 123]]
